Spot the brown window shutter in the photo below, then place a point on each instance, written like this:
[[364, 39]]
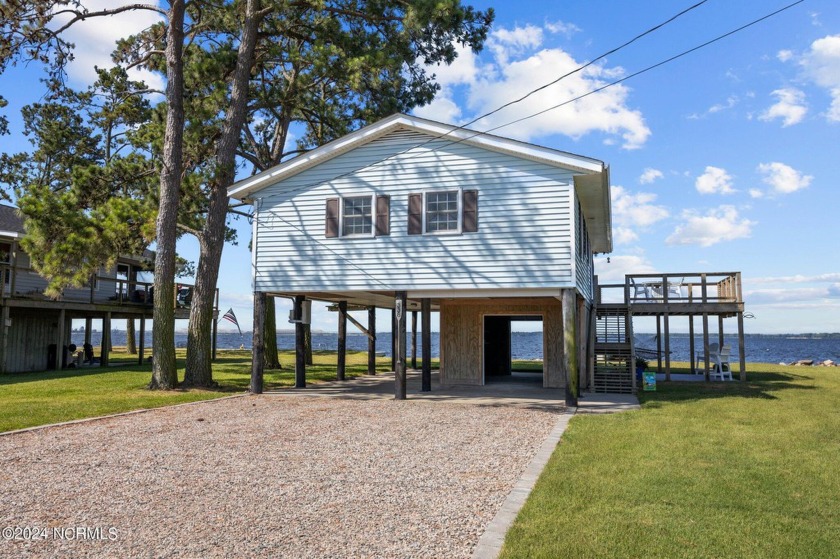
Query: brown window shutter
[[415, 214], [469, 222], [383, 215], [331, 227]]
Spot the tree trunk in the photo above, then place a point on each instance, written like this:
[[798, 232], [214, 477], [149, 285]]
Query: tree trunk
[[212, 238], [164, 367], [307, 343], [130, 344], [271, 360]]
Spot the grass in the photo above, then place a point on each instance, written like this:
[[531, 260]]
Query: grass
[[719, 470], [30, 399]]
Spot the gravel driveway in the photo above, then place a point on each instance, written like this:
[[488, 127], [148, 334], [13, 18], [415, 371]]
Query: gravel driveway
[[267, 476]]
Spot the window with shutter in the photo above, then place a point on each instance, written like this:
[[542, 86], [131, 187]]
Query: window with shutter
[[331, 225], [470, 219], [415, 214], [383, 216]]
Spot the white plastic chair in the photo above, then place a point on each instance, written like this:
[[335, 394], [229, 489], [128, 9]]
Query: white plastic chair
[[639, 289], [675, 289], [701, 357], [721, 368]]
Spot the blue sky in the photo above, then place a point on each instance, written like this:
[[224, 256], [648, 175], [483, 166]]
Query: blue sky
[[723, 160]]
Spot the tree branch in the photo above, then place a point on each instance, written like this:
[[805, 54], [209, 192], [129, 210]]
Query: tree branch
[[81, 16]]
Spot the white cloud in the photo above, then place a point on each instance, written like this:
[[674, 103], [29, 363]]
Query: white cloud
[[562, 28], [790, 107], [442, 109], [621, 265], [649, 175], [782, 178], [96, 38], [714, 181], [756, 193], [830, 277], [633, 211], [730, 103], [506, 71], [822, 65], [784, 55], [718, 225]]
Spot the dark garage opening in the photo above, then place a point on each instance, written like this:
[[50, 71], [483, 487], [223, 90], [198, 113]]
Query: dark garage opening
[[513, 348]]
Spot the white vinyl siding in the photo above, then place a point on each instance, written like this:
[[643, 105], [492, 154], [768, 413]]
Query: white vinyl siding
[[524, 240]]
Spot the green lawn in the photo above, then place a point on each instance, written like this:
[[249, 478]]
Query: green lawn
[[30, 399], [720, 470]]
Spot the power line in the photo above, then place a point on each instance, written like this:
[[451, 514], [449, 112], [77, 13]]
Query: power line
[[515, 101]]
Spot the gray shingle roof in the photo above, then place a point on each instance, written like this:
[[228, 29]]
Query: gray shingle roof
[[10, 219]]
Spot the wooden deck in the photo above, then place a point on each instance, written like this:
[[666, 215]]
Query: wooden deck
[[690, 295]]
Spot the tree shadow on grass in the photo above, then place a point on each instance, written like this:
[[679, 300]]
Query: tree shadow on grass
[[759, 385]]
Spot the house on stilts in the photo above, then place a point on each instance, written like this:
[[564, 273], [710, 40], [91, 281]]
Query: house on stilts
[[414, 215], [35, 330]]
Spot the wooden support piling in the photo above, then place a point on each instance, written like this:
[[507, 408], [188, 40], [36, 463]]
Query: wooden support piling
[[60, 352], [371, 340], [569, 310], [258, 343], [666, 323], [413, 339], [4, 337], [142, 349], [658, 344], [691, 350], [393, 339], [426, 341], [742, 358], [706, 343], [342, 340], [400, 312], [720, 331], [300, 344], [104, 356]]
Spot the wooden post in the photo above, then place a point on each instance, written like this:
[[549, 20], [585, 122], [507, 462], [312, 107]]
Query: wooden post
[[399, 314], [342, 340], [300, 345], [666, 322], [658, 344], [393, 339], [88, 328], [426, 341], [569, 311], [59, 344], [691, 349], [141, 349], [705, 341], [104, 355], [258, 344], [413, 339], [720, 331], [582, 340], [742, 357], [215, 332], [372, 340], [4, 336]]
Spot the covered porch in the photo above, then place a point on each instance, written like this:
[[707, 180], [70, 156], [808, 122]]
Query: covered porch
[[470, 322]]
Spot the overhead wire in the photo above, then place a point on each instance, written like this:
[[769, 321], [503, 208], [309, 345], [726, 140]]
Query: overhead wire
[[485, 132], [515, 101]]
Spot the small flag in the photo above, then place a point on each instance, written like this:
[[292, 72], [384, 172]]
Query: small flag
[[230, 317]]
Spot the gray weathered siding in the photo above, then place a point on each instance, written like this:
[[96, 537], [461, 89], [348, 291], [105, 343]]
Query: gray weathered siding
[[525, 222]]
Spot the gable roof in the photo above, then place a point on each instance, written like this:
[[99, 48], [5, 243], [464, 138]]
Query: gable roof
[[593, 192], [11, 222]]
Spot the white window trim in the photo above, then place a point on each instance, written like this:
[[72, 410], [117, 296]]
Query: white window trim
[[460, 199], [372, 233]]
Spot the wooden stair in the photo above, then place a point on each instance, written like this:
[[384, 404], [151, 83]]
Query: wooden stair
[[614, 364]]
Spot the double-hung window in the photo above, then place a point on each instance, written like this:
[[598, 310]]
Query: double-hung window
[[442, 211], [357, 216]]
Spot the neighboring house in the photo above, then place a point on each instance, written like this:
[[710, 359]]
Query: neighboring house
[[484, 229], [33, 326]]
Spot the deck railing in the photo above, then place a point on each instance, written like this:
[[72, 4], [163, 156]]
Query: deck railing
[[100, 289], [693, 288]]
